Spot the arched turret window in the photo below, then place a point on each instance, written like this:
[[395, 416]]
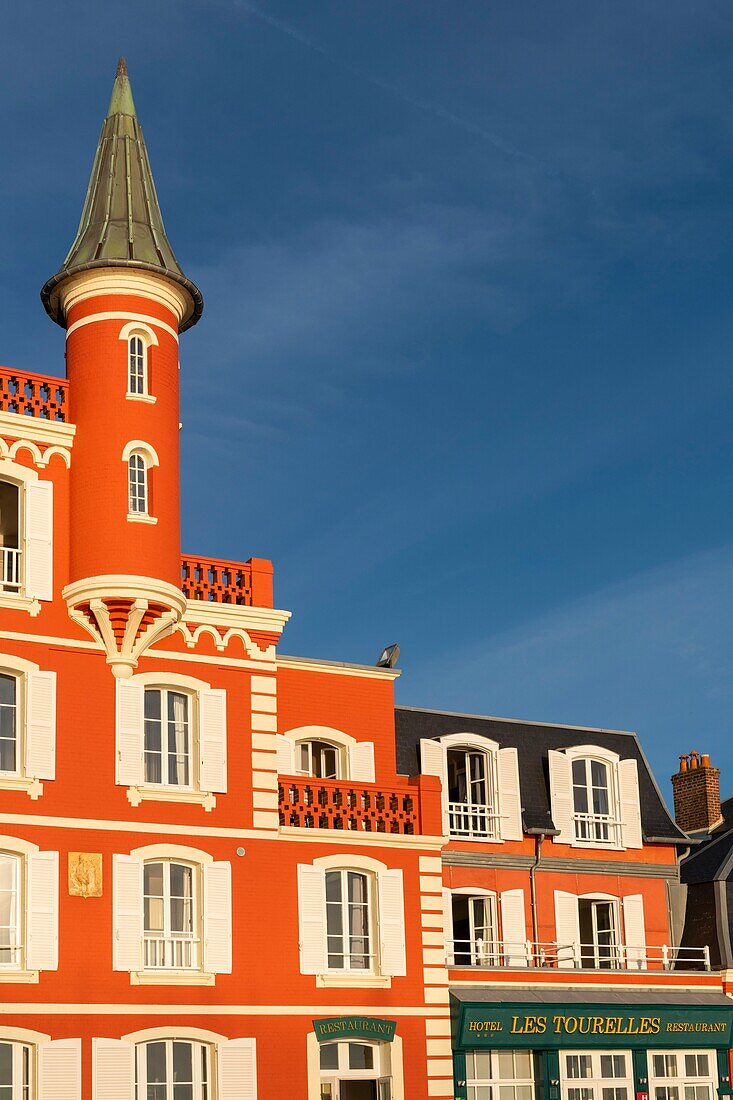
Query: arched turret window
[[137, 363], [137, 469]]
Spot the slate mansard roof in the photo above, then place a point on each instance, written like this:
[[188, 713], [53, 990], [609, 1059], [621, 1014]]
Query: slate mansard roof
[[533, 741], [713, 859]]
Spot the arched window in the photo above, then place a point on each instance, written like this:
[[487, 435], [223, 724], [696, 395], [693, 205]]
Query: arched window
[[10, 929], [174, 1069], [593, 801], [319, 759], [137, 362], [10, 763], [168, 736], [355, 1069], [349, 920], [170, 915], [16, 1066], [138, 484], [10, 536]]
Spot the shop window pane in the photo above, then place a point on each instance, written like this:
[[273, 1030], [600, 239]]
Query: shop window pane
[[505, 1060], [578, 1065], [329, 1056], [326, 1091], [697, 1092], [479, 1092], [613, 1065], [478, 1066], [580, 1094], [361, 1056], [522, 1065], [696, 1065], [615, 1094], [524, 1092], [665, 1065], [505, 1092]]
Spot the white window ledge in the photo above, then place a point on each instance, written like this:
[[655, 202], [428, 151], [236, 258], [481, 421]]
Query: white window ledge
[[146, 397], [20, 603], [354, 981], [141, 517], [136, 795], [28, 976], [172, 977], [32, 787]]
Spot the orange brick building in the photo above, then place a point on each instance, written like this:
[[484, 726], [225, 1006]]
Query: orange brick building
[[228, 873]]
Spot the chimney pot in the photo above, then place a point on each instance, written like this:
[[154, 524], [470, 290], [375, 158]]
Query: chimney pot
[[696, 788]]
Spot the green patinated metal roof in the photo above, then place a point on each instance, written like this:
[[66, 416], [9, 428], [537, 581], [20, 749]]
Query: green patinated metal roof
[[121, 224]]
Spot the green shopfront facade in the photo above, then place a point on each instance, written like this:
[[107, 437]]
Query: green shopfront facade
[[550, 1046]]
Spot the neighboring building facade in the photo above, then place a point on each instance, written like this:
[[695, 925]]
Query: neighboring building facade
[[220, 867]]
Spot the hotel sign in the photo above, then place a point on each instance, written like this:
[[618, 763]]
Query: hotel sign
[[354, 1027], [578, 1025]]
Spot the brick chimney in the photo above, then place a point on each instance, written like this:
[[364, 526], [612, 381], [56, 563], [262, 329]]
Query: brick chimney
[[696, 788]]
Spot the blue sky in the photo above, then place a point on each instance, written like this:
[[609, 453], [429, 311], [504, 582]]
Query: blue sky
[[465, 367]]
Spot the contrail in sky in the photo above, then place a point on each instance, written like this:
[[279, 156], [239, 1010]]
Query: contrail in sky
[[436, 109]]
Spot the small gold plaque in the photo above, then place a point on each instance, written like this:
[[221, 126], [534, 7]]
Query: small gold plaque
[[85, 874]]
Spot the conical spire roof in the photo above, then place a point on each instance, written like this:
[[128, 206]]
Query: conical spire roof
[[121, 224]]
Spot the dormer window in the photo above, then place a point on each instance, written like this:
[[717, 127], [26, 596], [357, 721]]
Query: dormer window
[[594, 798], [137, 361], [472, 794]]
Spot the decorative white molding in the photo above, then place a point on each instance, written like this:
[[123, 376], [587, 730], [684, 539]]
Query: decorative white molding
[[120, 281], [231, 616], [55, 438], [338, 668]]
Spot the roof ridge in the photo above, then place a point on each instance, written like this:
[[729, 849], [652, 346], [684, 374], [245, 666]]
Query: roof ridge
[[517, 721]]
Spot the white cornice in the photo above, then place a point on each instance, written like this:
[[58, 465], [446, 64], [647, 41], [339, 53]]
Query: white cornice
[[229, 616], [123, 586], [338, 668], [114, 281], [52, 432]]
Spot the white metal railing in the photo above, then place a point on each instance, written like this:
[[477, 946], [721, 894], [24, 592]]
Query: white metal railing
[[468, 820], [177, 952], [580, 956], [10, 581], [597, 828]]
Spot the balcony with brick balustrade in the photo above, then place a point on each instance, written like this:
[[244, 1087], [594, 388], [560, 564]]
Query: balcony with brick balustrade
[[409, 807]]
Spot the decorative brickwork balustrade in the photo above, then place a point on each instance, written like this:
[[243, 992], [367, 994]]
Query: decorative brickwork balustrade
[[212, 580], [39, 395], [338, 804]]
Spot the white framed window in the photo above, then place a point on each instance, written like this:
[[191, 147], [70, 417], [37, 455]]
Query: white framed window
[[511, 1070], [598, 1075], [174, 1069], [351, 920], [171, 738], [480, 786], [171, 940], [475, 924], [16, 1071], [10, 749], [29, 889], [137, 480], [589, 934], [26, 536], [319, 760], [366, 1063], [27, 725], [10, 536], [168, 737], [598, 920], [595, 798], [682, 1075], [137, 366], [10, 910], [172, 913]]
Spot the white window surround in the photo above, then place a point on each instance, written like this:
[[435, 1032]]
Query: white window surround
[[235, 1075], [139, 791], [38, 880], [212, 883], [629, 939], [387, 921], [624, 796], [509, 947], [36, 537], [313, 1048], [356, 758], [149, 339], [54, 1060], [504, 770], [150, 457], [35, 725]]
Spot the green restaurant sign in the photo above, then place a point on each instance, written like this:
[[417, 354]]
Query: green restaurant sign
[[545, 1026], [354, 1027]]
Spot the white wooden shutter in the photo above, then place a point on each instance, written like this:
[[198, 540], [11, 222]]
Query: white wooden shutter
[[567, 929], [634, 932], [448, 925], [361, 762], [237, 1062], [628, 781], [391, 923], [510, 798], [433, 762], [59, 1070], [561, 796], [285, 754], [218, 918], [130, 732], [40, 727], [213, 739], [113, 1069], [513, 928], [312, 919], [38, 540], [127, 912], [42, 907]]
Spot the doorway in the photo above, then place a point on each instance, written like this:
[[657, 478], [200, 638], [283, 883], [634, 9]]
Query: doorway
[[355, 1071]]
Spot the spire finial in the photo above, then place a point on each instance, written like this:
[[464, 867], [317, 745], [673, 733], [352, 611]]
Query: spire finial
[[121, 102], [122, 67]]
